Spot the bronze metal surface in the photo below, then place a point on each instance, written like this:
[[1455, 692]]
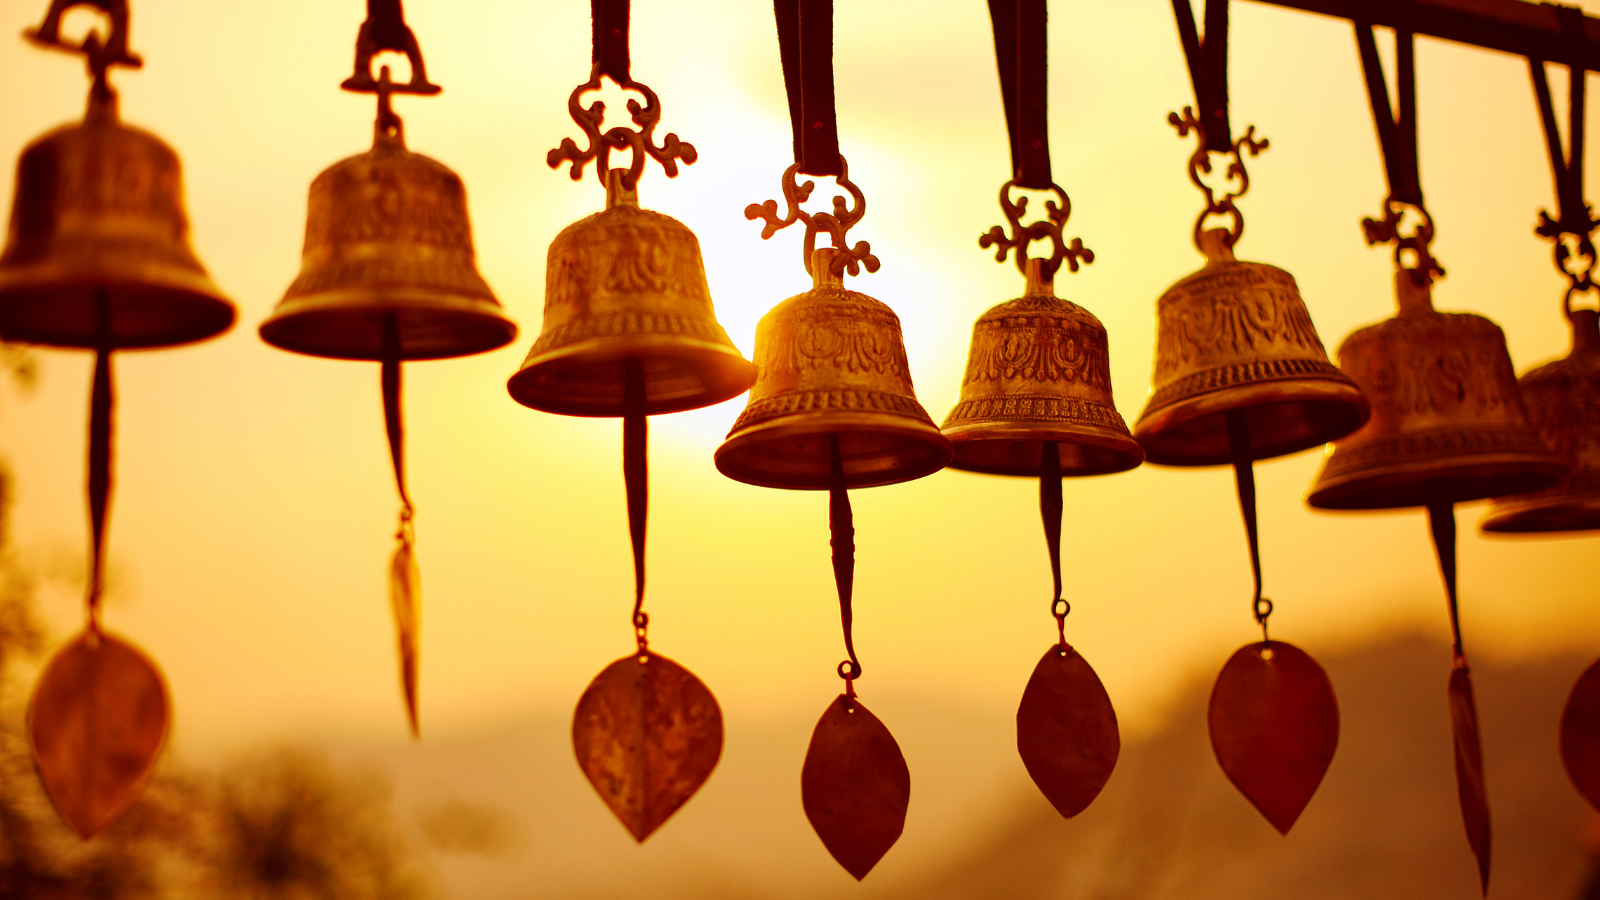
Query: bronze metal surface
[[387, 239], [628, 284], [99, 208], [96, 724], [1039, 371], [855, 786], [1236, 336], [1067, 730], [647, 734], [1580, 735], [1274, 724], [831, 361], [1563, 403], [1447, 419]]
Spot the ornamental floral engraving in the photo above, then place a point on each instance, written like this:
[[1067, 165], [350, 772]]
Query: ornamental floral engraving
[[1038, 349], [1200, 326]]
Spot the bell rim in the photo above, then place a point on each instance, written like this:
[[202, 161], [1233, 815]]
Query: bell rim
[[1121, 446], [795, 425], [1461, 480], [710, 356], [207, 314], [280, 329], [1340, 391], [1511, 516]]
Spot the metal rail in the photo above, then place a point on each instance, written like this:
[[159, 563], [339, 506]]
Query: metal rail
[[1512, 26]]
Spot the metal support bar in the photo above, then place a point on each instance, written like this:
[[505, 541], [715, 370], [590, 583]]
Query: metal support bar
[[1511, 26]]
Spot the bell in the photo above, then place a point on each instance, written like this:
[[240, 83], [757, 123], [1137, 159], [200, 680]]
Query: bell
[[387, 239], [628, 284], [98, 217], [1039, 370], [1563, 403], [831, 362], [1447, 424], [1236, 337]]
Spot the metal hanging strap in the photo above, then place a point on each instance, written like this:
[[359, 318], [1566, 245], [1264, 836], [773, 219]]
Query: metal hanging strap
[[1208, 69], [1244, 477], [1397, 135], [1574, 216], [842, 532], [611, 39], [636, 480], [1020, 49], [1442, 525], [805, 44], [1050, 509], [102, 406]]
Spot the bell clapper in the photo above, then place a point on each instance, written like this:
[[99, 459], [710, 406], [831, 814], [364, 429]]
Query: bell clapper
[[1245, 481]]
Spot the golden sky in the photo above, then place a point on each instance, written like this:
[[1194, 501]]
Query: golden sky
[[254, 506]]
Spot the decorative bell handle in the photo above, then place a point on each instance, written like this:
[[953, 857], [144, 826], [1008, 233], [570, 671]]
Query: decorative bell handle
[[386, 29]]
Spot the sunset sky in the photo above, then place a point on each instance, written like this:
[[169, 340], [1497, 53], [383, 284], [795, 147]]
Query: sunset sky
[[254, 509]]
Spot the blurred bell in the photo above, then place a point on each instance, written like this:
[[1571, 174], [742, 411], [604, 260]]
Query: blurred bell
[[387, 238], [1039, 370], [1235, 336], [1563, 403], [831, 362], [1447, 424], [627, 284], [98, 213]]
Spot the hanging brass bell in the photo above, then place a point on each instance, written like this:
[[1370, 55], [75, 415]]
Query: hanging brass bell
[[98, 213], [1563, 403], [1235, 336], [1448, 423], [388, 240], [1039, 370], [628, 284], [831, 361]]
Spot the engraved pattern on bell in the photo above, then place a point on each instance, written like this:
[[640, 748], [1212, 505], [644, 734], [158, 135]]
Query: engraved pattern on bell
[[628, 283], [831, 361], [1237, 336], [387, 236], [1448, 424], [1039, 370], [1563, 403], [99, 208]]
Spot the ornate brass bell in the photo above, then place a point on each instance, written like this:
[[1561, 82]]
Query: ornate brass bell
[[98, 212], [628, 284], [1448, 423], [831, 361], [388, 241], [1039, 370], [1563, 403], [1236, 337]]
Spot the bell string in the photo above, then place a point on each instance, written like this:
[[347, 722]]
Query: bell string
[[384, 29], [805, 45], [842, 530], [1207, 57], [636, 479], [1050, 510], [1442, 524], [1244, 477], [102, 405], [1021, 51], [405, 581]]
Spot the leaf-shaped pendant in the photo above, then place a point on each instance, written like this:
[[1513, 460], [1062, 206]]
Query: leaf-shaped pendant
[[1469, 767], [1274, 725], [1067, 731], [405, 596], [96, 723], [1580, 735], [647, 734], [855, 786]]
